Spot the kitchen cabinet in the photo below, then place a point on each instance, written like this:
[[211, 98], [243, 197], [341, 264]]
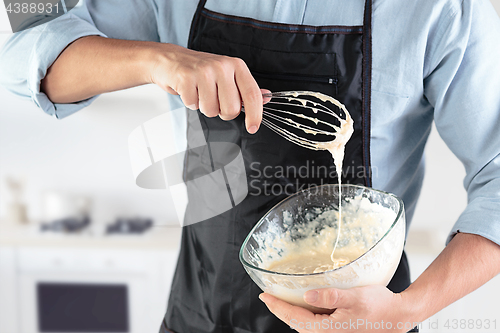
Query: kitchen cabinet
[[135, 270]]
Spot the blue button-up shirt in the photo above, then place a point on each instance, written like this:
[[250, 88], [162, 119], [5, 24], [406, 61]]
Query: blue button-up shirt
[[432, 60]]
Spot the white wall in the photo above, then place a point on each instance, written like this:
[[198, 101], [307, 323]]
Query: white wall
[[86, 153], [496, 4]]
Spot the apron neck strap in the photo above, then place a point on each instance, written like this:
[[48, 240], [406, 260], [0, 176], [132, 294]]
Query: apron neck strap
[[194, 23], [367, 83]]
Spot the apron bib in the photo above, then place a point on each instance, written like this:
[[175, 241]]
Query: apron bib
[[211, 292]]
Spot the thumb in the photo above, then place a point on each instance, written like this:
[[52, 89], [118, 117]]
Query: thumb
[[329, 298]]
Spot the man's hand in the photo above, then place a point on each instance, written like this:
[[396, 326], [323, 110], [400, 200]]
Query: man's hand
[[466, 263], [363, 309], [217, 85]]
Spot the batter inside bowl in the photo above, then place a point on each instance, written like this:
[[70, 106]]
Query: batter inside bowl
[[363, 224]]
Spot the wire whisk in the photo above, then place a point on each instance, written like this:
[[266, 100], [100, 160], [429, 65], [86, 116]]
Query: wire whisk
[[302, 117]]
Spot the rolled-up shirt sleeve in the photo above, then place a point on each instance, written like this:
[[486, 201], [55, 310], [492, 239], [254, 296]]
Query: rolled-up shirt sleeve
[[27, 55], [463, 85]]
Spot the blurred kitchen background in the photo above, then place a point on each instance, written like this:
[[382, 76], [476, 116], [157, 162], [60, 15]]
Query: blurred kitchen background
[[105, 237]]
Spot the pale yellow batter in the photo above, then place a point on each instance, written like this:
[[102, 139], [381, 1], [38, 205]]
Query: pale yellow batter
[[306, 264], [365, 223]]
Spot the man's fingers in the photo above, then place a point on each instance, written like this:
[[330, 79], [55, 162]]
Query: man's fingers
[[229, 98], [171, 91], [330, 298], [251, 97], [216, 85], [189, 96], [288, 313], [208, 99]]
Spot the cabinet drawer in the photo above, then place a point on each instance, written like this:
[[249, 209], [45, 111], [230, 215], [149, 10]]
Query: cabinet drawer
[[32, 259]]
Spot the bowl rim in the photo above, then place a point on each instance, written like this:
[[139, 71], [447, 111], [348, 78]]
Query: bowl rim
[[261, 221]]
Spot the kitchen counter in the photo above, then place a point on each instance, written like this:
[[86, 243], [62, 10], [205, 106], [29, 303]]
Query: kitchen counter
[[158, 237]]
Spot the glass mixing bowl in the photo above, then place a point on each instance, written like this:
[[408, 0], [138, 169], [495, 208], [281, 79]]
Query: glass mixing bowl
[[372, 236]]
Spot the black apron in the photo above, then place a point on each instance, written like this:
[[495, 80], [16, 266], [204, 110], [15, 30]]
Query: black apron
[[211, 292]]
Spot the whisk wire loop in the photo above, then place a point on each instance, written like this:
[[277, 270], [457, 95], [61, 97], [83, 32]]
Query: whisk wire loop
[[300, 111]]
